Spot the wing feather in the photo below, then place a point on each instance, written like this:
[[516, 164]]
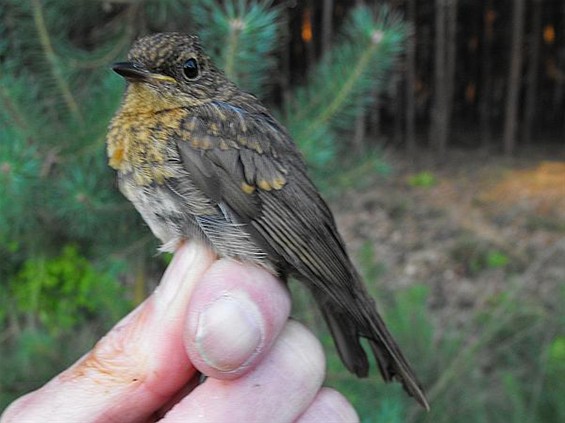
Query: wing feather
[[262, 181]]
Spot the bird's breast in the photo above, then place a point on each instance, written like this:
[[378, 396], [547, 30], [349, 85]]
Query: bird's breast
[[140, 144]]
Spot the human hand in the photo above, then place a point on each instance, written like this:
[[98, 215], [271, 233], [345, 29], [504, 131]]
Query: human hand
[[225, 319]]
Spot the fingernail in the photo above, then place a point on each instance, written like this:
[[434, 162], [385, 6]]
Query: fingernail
[[229, 332]]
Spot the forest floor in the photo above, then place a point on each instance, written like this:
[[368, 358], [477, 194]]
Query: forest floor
[[468, 227]]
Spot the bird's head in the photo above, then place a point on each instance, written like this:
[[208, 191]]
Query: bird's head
[[170, 70]]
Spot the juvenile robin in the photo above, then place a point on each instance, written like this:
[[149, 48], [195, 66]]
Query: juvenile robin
[[201, 159]]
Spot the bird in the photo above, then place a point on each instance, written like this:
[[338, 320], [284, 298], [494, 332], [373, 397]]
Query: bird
[[201, 159]]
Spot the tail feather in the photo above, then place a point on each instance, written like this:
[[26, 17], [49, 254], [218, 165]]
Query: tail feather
[[347, 332], [346, 341], [391, 361]]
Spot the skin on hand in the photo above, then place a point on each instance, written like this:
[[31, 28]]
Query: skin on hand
[[222, 318]]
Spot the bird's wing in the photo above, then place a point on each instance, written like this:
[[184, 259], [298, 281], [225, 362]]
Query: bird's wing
[[248, 164]]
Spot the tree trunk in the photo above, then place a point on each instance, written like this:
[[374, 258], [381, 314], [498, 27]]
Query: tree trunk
[[450, 64], [486, 75], [438, 136], [560, 63], [514, 80], [411, 80], [533, 72], [559, 90], [327, 18]]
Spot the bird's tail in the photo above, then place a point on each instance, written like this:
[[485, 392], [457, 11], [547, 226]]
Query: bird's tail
[[347, 329]]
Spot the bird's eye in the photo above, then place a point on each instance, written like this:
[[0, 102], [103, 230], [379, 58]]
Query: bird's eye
[[190, 68]]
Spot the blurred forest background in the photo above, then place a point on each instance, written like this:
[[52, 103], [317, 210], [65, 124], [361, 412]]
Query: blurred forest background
[[436, 129]]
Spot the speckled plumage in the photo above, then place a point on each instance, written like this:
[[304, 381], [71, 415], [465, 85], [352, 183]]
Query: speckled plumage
[[201, 159]]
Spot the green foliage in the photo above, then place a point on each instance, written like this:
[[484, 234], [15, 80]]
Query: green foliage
[[422, 180], [19, 170], [557, 353], [66, 290], [241, 36], [160, 11], [23, 364], [504, 368], [551, 406], [496, 259]]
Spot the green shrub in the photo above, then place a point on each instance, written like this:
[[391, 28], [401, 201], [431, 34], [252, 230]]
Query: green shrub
[[66, 291], [422, 180]]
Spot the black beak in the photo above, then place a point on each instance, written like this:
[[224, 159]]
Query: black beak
[[135, 72], [130, 71]]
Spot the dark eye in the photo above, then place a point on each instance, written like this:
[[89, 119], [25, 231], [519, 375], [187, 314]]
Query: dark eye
[[190, 68]]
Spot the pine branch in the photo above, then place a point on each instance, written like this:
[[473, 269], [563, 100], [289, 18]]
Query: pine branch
[[16, 116], [346, 91], [241, 36], [53, 60]]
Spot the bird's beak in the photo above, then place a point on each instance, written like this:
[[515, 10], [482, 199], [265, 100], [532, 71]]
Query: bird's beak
[[134, 72]]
